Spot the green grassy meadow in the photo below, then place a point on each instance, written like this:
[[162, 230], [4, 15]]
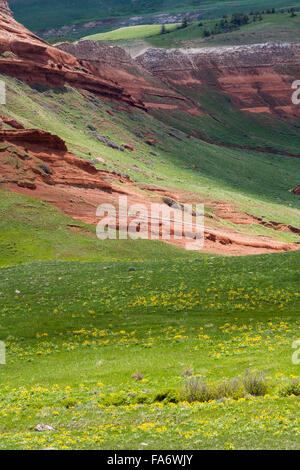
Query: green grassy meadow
[[85, 342]]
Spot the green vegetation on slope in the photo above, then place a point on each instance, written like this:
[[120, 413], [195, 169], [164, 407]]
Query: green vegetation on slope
[[32, 230], [258, 183], [279, 27], [85, 342]]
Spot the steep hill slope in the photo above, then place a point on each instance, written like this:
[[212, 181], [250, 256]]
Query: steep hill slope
[[257, 78], [195, 143], [26, 56]]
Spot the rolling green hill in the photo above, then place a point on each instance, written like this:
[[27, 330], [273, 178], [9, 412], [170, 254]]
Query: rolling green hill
[[44, 14], [32, 230], [257, 183], [278, 27]]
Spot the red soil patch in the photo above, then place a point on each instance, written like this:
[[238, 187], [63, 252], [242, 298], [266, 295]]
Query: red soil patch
[[297, 190]]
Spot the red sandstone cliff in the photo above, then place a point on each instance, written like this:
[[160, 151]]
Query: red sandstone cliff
[[258, 78], [26, 56], [113, 61]]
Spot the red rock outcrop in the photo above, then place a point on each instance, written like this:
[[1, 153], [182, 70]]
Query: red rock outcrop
[[35, 137], [44, 160], [113, 61], [4, 8], [11, 122], [297, 190], [26, 56]]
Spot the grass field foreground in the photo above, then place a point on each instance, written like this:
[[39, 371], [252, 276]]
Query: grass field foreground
[[85, 341]]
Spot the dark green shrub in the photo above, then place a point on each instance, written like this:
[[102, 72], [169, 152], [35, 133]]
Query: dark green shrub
[[167, 396], [255, 383]]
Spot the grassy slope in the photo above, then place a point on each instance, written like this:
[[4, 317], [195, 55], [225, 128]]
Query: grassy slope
[[76, 333], [131, 32], [279, 27], [43, 14], [258, 183], [32, 230], [273, 27]]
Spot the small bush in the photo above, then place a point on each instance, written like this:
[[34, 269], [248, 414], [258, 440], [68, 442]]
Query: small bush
[[140, 399], [255, 383], [230, 389], [293, 388], [188, 372], [197, 390]]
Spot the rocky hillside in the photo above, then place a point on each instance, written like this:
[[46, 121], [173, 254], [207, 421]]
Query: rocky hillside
[[143, 85], [258, 78], [26, 56], [4, 8], [168, 125]]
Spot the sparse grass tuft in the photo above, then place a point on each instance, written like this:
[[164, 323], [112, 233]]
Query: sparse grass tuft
[[196, 390], [255, 383]]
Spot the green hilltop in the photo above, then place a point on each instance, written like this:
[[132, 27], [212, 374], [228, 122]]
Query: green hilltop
[[38, 15]]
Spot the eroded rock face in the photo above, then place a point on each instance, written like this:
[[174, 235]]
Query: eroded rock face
[[4, 8], [33, 136], [26, 56], [257, 77], [113, 61], [44, 160], [94, 51], [297, 190]]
